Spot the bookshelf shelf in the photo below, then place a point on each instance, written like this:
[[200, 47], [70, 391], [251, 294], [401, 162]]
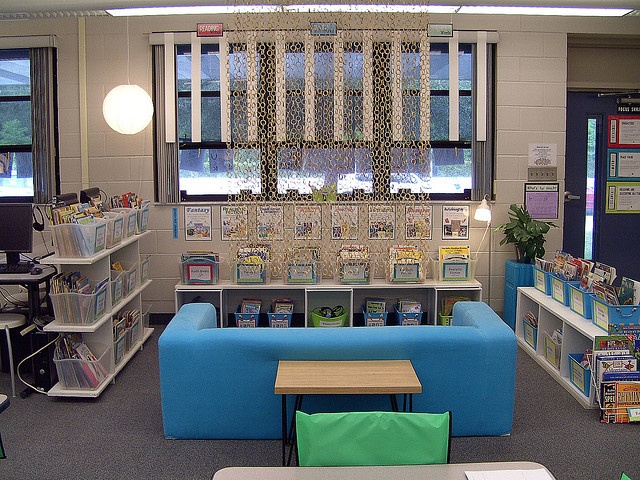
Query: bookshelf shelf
[[96, 268], [578, 335], [227, 295]]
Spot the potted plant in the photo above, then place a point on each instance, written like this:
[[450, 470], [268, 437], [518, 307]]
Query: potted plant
[[526, 233]]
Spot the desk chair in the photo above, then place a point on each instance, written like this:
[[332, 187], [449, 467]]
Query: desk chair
[[7, 322], [373, 438], [4, 403]]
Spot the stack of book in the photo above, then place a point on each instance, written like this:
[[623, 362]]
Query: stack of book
[[614, 368]]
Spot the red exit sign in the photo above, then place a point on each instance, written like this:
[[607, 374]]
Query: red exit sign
[[209, 29]]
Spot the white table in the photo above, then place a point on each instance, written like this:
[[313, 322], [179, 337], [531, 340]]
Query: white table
[[452, 471]]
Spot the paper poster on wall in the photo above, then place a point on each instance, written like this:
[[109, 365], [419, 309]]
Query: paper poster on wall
[[455, 222], [624, 131], [542, 199], [233, 222], [308, 222], [344, 222], [624, 164], [270, 220], [623, 197], [543, 155], [197, 223], [382, 222], [417, 222]]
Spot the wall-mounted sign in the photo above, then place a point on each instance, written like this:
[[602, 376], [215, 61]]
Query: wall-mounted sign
[[624, 164], [210, 30], [624, 131], [541, 200], [440, 30], [543, 155], [623, 197], [324, 28]]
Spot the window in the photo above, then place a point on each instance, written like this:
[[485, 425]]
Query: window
[[26, 104], [309, 112]]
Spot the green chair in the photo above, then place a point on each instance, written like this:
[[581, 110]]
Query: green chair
[[372, 438]]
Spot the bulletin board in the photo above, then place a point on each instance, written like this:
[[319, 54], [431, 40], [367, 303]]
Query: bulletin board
[[542, 199]]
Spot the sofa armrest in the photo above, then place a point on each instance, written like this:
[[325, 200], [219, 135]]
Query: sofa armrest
[[193, 317]]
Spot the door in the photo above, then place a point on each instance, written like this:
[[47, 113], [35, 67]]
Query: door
[[588, 231]]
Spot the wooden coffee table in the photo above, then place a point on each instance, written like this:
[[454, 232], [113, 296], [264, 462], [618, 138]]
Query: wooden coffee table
[[342, 377]]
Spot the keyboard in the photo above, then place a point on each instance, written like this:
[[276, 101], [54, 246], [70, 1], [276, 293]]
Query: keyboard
[[15, 268]]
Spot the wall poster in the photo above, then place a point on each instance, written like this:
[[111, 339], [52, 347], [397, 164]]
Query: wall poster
[[308, 222], [234, 220], [417, 222], [197, 223], [542, 200], [455, 222]]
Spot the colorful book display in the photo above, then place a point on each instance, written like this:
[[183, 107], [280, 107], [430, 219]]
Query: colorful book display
[[406, 264], [251, 264]]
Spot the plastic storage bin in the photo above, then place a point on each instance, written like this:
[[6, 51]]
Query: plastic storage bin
[[119, 348], [606, 315], [551, 351], [279, 320], [318, 320], [117, 286], [75, 373], [444, 320], [408, 318], [530, 334], [142, 219], [354, 272], [115, 223], [542, 280], [250, 273], [130, 224], [560, 291], [144, 269], [79, 308], [579, 375], [374, 319], [247, 320], [200, 271], [302, 272], [580, 301], [80, 240], [454, 271]]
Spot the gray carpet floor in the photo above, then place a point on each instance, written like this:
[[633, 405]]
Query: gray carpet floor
[[119, 434]]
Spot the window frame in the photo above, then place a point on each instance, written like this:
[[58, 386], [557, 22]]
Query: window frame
[[268, 164]]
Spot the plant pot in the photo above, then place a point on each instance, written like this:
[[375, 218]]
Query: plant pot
[[522, 258]]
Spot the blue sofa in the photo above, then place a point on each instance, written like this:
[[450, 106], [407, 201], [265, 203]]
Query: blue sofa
[[218, 383]]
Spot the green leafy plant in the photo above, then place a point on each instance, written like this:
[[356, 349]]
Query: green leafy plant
[[526, 233]]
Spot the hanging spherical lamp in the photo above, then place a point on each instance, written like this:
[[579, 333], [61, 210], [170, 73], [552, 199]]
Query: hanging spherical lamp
[[127, 109]]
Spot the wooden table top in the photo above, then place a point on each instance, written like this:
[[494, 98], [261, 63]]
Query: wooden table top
[[346, 377]]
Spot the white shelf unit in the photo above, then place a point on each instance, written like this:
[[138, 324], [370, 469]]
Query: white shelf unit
[[97, 267], [226, 296], [578, 335]]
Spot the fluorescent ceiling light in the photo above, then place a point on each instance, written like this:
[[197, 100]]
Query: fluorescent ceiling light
[[550, 11], [230, 9]]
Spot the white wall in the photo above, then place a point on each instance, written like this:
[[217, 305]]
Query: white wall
[[531, 101]]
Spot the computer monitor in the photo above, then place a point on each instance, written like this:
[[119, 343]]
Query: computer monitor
[[16, 230]]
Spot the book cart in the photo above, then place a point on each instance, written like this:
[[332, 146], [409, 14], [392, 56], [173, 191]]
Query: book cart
[[100, 316]]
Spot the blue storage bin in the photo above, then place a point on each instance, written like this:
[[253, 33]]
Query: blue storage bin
[[578, 375], [542, 280], [604, 315], [408, 318], [560, 290], [374, 319], [279, 320], [580, 301], [247, 320]]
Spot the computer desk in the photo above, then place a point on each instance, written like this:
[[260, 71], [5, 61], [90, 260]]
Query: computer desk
[[32, 284]]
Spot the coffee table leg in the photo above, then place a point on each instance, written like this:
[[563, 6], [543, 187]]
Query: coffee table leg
[[394, 403]]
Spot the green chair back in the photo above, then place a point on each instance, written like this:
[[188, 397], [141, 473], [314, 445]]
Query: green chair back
[[373, 438]]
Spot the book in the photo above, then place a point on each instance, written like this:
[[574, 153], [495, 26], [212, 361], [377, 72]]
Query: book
[[629, 292], [618, 398]]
